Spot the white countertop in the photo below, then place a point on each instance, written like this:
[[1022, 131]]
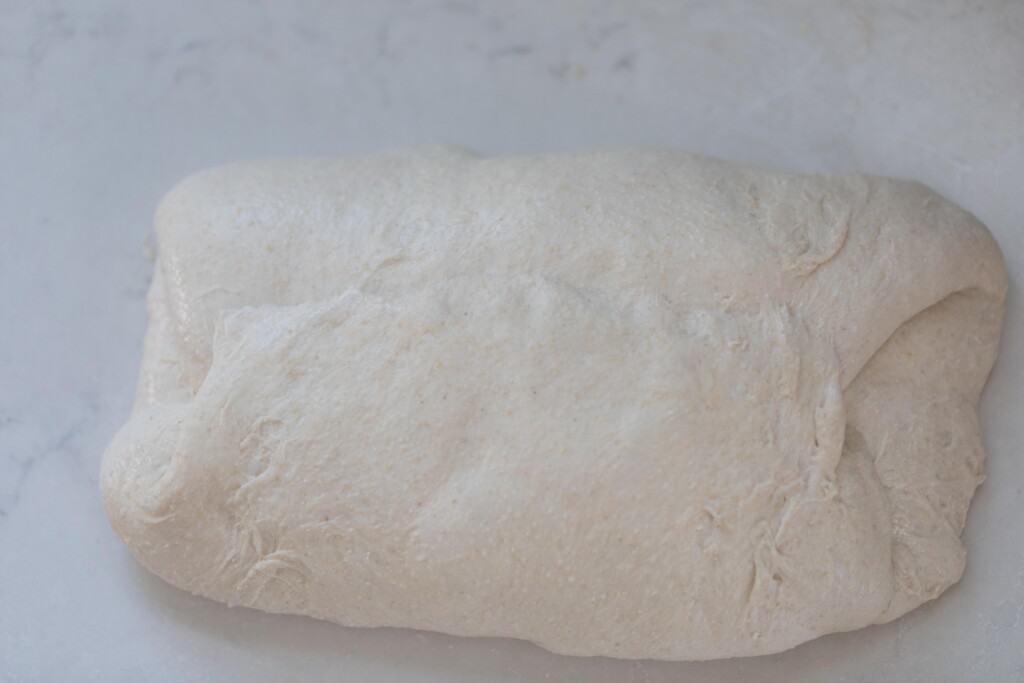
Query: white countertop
[[104, 104]]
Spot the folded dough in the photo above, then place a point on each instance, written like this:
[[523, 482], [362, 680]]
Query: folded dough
[[630, 404]]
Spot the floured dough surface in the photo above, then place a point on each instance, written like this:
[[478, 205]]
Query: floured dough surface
[[630, 404]]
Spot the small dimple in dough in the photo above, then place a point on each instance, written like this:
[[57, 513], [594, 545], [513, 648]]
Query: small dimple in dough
[[633, 404]]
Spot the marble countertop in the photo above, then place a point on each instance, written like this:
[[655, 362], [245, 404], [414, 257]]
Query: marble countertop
[[105, 103]]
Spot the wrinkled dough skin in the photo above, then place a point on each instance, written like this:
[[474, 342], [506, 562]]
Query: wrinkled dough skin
[[630, 404]]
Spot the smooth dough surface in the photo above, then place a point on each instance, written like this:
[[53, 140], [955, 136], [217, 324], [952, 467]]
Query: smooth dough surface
[[632, 404]]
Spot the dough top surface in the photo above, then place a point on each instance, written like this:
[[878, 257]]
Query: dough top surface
[[634, 404]]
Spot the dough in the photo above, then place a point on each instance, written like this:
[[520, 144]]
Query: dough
[[631, 404]]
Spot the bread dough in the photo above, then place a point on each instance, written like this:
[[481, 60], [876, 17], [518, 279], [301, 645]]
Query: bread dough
[[631, 404]]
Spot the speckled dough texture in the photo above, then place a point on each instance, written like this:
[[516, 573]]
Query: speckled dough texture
[[633, 404]]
